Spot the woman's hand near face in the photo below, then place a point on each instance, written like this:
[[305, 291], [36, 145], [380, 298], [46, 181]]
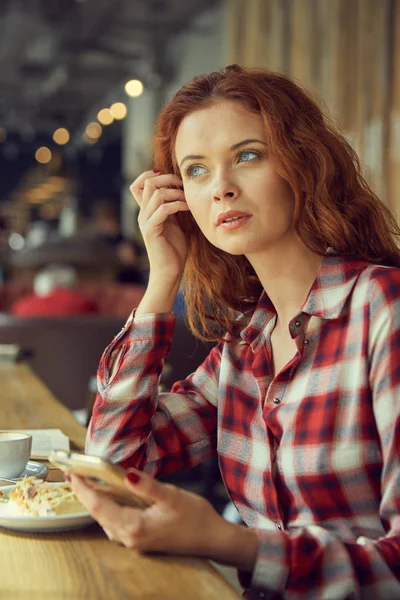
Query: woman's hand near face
[[159, 201], [177, 522]]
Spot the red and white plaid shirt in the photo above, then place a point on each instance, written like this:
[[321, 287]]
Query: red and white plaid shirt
[[311, 458]]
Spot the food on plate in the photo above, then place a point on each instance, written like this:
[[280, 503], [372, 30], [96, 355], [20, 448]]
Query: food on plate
[[37, 498]]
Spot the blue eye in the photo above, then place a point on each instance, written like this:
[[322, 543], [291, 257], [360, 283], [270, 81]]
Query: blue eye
[[247, 155], [194, 171]]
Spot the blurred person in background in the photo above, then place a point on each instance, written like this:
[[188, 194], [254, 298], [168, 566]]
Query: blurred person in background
[[54, 295], [257, 206]]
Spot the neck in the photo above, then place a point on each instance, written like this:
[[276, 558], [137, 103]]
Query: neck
[[286, 276]]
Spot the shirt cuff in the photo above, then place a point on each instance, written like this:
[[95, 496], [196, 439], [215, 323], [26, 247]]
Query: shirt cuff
[[145, 334], [145, 327], [271, 570]]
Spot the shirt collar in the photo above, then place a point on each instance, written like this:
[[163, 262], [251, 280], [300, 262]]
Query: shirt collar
[[335, 280]]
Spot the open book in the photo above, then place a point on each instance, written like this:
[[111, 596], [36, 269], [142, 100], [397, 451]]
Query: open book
[[44, 441]]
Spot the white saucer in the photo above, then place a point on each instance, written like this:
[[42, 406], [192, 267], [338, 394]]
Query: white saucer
[[33, 469]]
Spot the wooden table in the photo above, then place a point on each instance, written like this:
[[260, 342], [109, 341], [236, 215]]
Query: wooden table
[[83, 564]]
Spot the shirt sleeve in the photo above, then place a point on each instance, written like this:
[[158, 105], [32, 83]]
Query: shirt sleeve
[[314, 562], [135, 425]]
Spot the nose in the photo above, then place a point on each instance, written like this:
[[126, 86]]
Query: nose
[[225, 189]]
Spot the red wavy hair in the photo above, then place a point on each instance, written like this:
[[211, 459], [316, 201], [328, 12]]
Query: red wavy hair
[[334, 205]]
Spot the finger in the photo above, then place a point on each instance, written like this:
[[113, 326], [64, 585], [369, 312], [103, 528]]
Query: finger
[[150, 489], [136, 188], [113, 537], [159, 197], [139, 181], [100, 506], [162, 213], [121, 524], [162, 182], [108, 533], [156, 180]]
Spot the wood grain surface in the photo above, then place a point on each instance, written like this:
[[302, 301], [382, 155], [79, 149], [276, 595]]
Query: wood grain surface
[[26, 403], [84, 564]]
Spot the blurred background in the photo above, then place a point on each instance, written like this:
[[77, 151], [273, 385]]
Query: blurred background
[[81, 83]]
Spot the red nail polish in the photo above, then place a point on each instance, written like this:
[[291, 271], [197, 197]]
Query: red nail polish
[[156, 171], [132, 477], [67, 477]]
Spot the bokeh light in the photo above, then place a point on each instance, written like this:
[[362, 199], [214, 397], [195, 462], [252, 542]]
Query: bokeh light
[[61, 136], [16, 241], [118, 110], [105, 116], [134, 88], [93, 130], [89, 140], [43, 155]]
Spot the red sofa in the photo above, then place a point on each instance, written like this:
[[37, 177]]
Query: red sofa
[[113, 299]]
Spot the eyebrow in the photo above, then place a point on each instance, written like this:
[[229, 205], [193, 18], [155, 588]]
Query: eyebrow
[[234, 147]]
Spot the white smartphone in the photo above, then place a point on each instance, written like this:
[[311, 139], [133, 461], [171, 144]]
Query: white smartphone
[[99, 474]]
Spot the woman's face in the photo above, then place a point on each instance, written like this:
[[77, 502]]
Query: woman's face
[[235, 195]]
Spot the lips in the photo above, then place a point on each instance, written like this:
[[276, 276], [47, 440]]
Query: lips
[[231, 216]]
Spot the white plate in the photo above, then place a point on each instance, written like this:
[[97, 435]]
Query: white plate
[[9, 519], [33, 469]]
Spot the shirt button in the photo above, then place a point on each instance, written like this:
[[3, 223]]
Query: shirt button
[[278, 525], [277, 401], [305, 342], [297, 323]]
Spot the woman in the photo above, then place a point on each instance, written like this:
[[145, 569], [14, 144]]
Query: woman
[[259, 204]]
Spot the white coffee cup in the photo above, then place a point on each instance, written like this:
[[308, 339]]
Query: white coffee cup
[[15, 451]]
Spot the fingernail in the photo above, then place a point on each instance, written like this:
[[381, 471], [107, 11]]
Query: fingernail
[[156, 171], [67, 477], [132, 477]]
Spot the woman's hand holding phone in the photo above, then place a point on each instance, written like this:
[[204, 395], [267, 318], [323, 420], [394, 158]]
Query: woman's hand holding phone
[[175, 522]]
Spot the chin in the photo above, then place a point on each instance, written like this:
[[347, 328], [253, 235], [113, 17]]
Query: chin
[[235, 249]]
